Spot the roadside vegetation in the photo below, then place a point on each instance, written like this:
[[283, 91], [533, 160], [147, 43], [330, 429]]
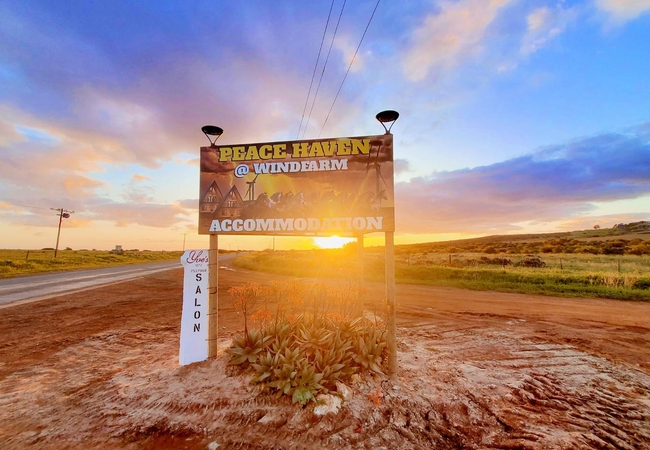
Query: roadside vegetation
[[28, 262], [306, 338], [609, 268]]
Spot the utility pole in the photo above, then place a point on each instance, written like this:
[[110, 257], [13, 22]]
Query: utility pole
[[63, 214], [184, 234]]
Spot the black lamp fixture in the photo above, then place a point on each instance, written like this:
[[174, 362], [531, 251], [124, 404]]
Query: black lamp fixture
[[387, 117], [211, 130]]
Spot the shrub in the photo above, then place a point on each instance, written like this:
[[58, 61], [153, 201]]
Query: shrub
[[643, 283], [304, 357], [531, 261], [494, 261], [639, 249]]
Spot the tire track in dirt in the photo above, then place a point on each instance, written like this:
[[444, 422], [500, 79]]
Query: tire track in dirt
[[527, 386]]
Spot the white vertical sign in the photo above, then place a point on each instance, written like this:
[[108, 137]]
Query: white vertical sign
[[194, 320]]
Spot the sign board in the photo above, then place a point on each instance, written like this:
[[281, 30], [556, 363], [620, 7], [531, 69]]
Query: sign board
[[319, 187], [194, 319]]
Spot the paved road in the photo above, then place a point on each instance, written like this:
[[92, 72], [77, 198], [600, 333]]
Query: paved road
[[49, 285]]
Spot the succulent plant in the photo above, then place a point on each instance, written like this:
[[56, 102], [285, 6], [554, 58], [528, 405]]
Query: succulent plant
[[369, 350], [306, 383], [265, 366], [306, 354], [283, 379], [246, 348]]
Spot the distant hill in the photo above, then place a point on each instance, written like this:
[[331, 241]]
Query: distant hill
[[631, 238]]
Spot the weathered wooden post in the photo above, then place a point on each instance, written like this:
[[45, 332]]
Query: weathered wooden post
[[390, 299], [389, 117], [360, 273], [213, 296]]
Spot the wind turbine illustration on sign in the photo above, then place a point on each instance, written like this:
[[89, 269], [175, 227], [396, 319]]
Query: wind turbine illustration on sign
[[251, 188]]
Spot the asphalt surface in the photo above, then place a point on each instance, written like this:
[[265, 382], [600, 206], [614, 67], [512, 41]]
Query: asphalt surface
[[40, 287]]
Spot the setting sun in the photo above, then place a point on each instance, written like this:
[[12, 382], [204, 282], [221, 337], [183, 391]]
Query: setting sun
[[331, 241]]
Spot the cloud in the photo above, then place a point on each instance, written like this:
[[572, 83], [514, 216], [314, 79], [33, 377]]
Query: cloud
[[450, 36], [190, 203], [554, 183], [151, 215], [623, 10], [545, 24], [347, 45], [87, 214], [147, 106], [80, 109], [402, 166]]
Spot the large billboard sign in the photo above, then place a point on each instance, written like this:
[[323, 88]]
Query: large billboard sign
[[320, 187]]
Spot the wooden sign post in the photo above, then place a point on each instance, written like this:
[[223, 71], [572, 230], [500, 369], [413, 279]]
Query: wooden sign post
[[390, 299], [213, 297]]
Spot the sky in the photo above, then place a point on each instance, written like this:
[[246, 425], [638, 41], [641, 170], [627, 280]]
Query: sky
[[516, 116]]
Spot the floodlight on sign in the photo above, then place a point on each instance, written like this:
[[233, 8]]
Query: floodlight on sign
[[211, 130], [387, 117]]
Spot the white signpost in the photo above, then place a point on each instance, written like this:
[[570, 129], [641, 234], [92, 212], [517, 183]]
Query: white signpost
[[194, 320]]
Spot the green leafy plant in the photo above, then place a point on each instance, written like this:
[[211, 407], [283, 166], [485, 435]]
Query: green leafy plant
[[265, 366], [314, 338], [306, 383], [369, 350], [306, 354], [246, 348], [283, 379]]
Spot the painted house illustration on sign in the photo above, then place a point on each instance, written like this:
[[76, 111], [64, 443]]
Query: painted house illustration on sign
[[222, 206]]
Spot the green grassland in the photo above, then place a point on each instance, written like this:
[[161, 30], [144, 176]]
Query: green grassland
[[26, 262], [633, 240], [615, 266]]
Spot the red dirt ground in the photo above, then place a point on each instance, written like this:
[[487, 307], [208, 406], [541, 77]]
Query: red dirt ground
[[477, 370]]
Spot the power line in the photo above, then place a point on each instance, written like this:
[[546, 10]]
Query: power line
[[329, 51], [24, 206], [315, 67], [349, 67]]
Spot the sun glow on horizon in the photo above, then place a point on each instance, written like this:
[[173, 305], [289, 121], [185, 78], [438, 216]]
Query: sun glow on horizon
[[331, 241]]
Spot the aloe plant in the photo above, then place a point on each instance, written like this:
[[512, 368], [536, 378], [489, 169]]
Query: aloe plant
[[306, 383], [327, 363], [283, 379], [301, 356], [314, 338], [246, 348], [265, 366], [290, 356], [369, 350]]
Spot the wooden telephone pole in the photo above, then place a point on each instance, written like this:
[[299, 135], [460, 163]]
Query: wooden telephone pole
[[63, 214]]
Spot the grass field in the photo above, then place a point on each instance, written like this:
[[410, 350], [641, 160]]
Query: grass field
[[27, 262], [625, 277]]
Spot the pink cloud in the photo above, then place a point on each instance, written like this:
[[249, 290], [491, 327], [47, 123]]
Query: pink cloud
[[623, 10], [555, 183], [450, 36]]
